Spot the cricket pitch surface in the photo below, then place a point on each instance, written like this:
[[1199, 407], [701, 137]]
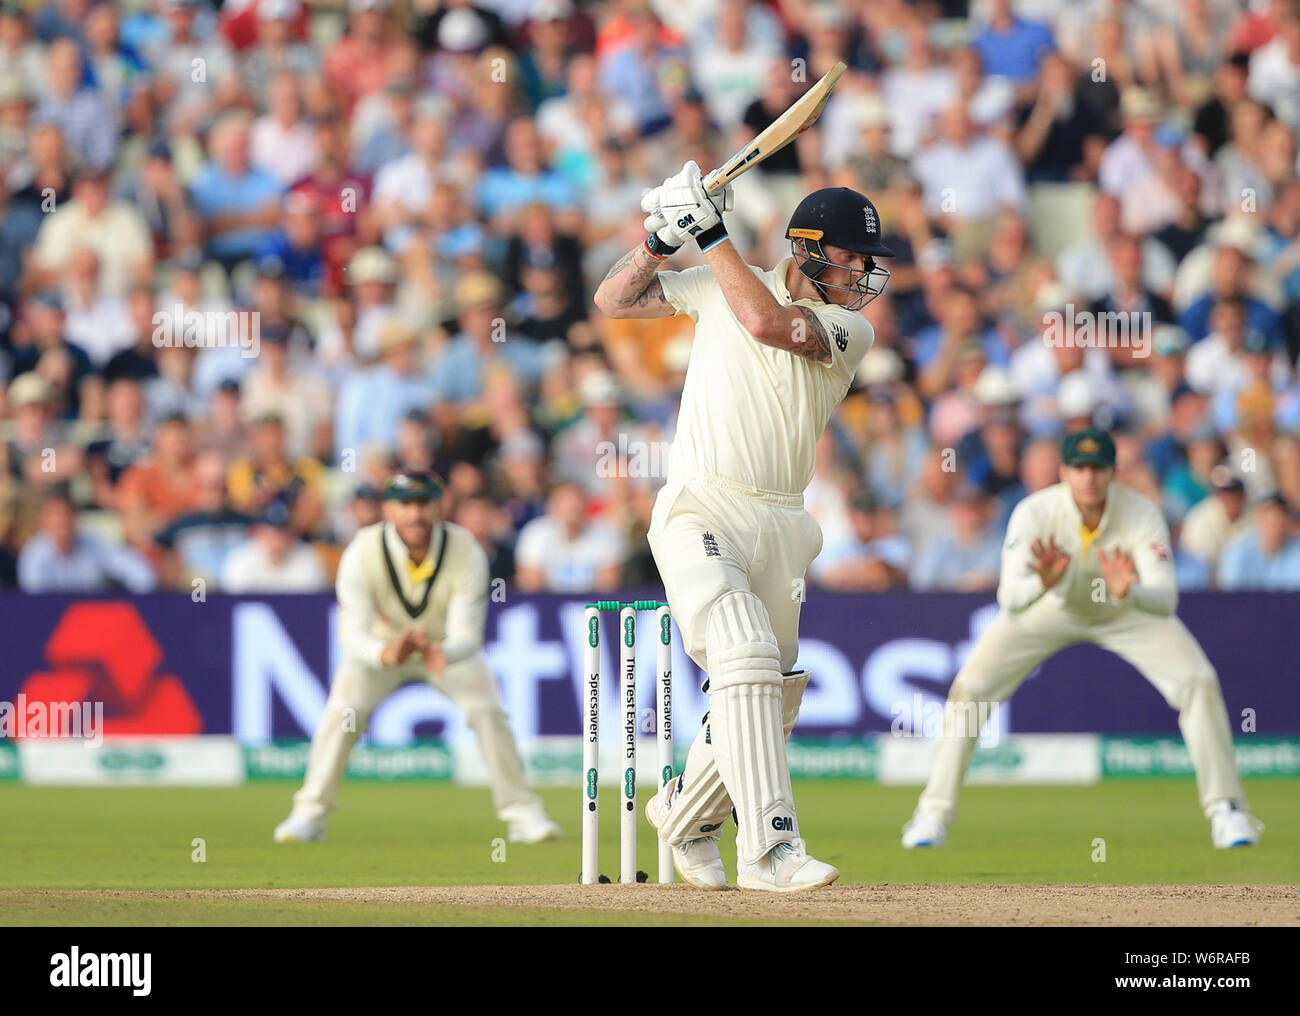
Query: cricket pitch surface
[[899, 904]]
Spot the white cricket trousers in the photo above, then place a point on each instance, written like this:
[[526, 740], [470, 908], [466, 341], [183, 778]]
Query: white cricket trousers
[[733, 567], [707, 540], [1160, 648], [355, 693]]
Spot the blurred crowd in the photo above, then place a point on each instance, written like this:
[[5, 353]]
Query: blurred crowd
[[254, 255]]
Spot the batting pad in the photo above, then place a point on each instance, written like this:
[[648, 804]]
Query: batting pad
[[740, 644], [792, 688], [749, 748], [700, 803]]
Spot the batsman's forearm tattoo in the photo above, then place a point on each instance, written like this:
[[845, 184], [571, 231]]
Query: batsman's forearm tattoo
[[815, 344], [637, 275], [620, 264]]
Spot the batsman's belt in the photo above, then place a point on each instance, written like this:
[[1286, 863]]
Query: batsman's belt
[[777, 497]]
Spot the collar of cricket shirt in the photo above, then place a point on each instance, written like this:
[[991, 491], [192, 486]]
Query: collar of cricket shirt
[[783, 294], [778, 279], [1077, 514], [427, 570]]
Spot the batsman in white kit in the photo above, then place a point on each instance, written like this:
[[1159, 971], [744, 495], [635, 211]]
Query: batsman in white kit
[[1088, 560], [774, 353], [412, 594]]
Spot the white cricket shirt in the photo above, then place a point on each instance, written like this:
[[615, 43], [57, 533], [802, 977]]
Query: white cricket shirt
[[751, 414], [1129, 522], [379, 596]]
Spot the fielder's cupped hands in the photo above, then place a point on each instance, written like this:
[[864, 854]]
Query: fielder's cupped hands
[[399, 649], [435, 661], [680, 208], [1118, 570], [1050, 561]]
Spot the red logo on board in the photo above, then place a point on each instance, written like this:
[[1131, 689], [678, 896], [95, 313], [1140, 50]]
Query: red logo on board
[[104, 652]]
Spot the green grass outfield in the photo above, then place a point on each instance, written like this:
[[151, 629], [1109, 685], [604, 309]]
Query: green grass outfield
[[428, 834]]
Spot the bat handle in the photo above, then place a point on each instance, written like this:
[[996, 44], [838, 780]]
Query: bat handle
[[711, 182]]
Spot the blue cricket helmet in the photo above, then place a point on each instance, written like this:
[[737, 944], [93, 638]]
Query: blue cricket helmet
[[842, 218]]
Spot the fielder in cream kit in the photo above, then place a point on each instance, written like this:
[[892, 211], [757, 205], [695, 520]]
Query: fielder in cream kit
[[1089, 560], [412, 594], [774, 353]]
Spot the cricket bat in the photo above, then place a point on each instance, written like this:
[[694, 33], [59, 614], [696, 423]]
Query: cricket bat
[[801, 115]]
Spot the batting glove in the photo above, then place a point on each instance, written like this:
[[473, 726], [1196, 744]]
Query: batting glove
[[662, 241], [654, 217], [692, 212]]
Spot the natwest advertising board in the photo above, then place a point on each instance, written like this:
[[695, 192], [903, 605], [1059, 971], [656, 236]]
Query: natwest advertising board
[[258, 668]]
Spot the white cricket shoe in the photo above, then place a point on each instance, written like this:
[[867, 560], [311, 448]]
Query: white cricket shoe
[[924, 830], [297, 829], [786, 868], [531, 825], [697, 861], [1232, 826]]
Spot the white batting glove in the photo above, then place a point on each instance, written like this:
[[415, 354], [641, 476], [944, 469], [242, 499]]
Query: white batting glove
[[656, 223], [690, 209], [650, 200], [723, 200], [691, 176], [654, 218]]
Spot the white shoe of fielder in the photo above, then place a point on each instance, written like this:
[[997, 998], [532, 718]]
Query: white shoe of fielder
[[786, 868], [1232, 826], [530, 824], [697, 861], [298, 829], [923, 830]]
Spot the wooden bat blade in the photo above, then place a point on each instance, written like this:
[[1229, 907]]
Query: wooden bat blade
[[801, 115]]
